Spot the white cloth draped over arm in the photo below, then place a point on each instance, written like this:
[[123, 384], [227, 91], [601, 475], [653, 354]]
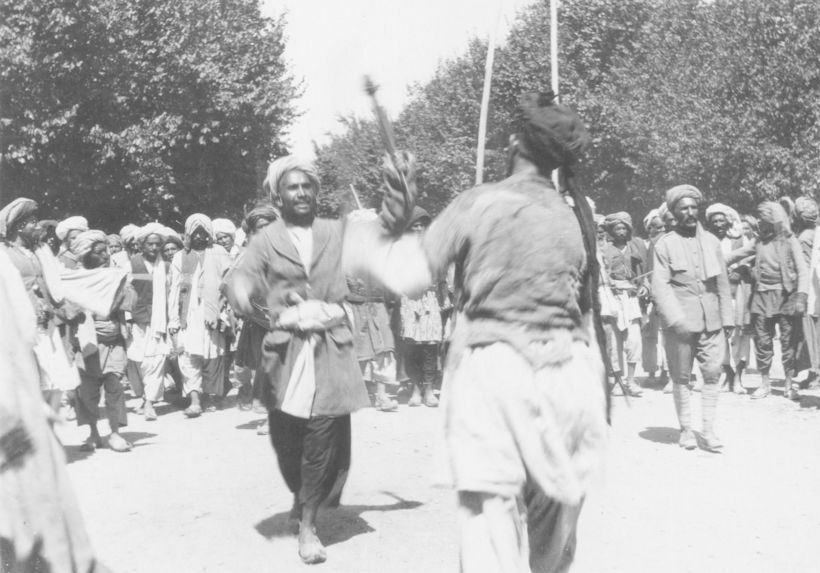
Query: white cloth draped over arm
[[399, 263]]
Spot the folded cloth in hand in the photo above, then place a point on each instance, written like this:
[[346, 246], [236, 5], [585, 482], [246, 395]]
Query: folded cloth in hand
[[311, 315]]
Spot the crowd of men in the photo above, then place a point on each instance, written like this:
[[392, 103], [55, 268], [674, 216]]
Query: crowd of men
[[296, 311], [171, 335], [752, 277]]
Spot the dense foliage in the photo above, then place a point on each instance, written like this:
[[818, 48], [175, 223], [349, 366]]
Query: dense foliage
[[721, 94], [140, 109]]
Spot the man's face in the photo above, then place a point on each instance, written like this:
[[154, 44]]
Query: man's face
[[748, 232], [114, 247], [298, 196], [200, 239], [719, 224], [69, 238], [169, 250], [151, 247], [225, 240], [28, 230], [418, 227], [656, 227], [98, 257], [669, 221], [686, 213], [620, 232]]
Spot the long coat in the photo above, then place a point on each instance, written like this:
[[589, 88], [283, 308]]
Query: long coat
[[273, 265]]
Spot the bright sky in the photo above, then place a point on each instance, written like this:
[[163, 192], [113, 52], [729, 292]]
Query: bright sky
[[332, 44]]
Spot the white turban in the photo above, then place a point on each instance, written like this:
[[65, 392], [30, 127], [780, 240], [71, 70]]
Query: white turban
[[279, 168], [199, 221], [85, 241], [725, 210], [65, 226], [652, 215], [150, 229], [680, 192], [224, 226], [128, 232], [14, 211]]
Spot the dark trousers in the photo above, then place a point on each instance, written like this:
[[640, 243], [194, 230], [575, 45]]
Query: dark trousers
[[96, 376], [313, 455], [764, 341], [421, 362]]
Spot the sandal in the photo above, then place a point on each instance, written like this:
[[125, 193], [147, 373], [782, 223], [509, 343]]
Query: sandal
[[91, 444], [119, 444], [385, 404]]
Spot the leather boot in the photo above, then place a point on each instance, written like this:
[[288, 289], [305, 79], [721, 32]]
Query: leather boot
[[709, 401]]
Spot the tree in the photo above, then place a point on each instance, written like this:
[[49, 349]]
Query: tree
[[721, 94], [142, 109]]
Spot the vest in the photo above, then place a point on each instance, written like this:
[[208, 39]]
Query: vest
[[143, 283], [190, 259]]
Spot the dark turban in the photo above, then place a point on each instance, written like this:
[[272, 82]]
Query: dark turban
[[679, 192], [419, 215], [14, 212], [552, 134], [265, 211], [619, 217]]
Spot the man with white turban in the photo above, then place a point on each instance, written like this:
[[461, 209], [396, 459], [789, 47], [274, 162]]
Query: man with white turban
[[148, 325], [194, 312], [690, 287], [66, 230], [102, 355], [652, 355], [294, 264], [225, 236], [720, 220]]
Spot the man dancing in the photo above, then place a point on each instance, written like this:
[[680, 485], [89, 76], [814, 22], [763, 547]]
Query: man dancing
[[295, 265], [691, 290], [524, 391]]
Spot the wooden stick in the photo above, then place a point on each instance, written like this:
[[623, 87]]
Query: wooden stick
[[485, 100], [355, 196]]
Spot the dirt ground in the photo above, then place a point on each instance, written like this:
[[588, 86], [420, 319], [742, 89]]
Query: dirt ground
[[206, 495]]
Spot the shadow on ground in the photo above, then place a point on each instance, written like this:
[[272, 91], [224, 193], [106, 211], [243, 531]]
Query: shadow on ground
[[810, 402], [75, 453], [660, 435], [252, 425], [335, 525]]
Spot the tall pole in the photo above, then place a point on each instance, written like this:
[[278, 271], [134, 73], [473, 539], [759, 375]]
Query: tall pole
[[485, 99], [554, 62]]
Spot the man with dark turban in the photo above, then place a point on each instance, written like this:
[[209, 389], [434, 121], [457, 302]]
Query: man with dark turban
[[39, 270], [624, 263], [294, 264], [194, 310], [524, 400], [690, 287], [779, 296]]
